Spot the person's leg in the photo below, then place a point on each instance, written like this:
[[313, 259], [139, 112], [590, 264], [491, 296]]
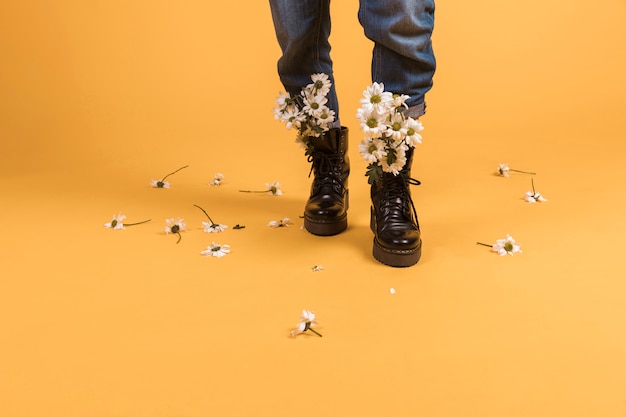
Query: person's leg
[[402, 57], [404, 62], [302, 29]]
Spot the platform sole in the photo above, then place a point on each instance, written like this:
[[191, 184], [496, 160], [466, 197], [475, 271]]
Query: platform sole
[[321, 228], [396, 257]]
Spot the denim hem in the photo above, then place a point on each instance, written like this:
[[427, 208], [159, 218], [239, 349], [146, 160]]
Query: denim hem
[[416, 111]]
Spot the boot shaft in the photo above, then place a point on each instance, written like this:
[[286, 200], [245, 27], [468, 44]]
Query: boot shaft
[[329, 153]]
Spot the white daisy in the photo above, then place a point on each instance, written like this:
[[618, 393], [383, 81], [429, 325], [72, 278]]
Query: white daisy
[[274, 188], [175, 226], [503, 170], [216, 249], [397, 128], [314, 104], [533, 196], [413, 127], [218, 178], [376, 98], [506, 246], [399, 100], [307, 322], [285, 222], [321, 84], [372, 150], [396, 164], [210, 227], [372, 123], [116, 222], [160, 184]]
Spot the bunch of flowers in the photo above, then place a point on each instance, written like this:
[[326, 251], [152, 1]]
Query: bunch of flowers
[[389, 132], [307, 113]]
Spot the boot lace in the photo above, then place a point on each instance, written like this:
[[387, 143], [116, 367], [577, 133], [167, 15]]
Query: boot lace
[[328, 172], [396, 196]]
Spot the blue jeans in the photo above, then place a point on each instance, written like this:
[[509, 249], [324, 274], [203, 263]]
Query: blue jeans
[[401, 30]]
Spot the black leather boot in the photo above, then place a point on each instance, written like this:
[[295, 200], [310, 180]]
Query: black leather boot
[[397, 240], [325, 213]]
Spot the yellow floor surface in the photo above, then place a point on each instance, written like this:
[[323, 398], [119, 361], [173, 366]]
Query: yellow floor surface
[[99, 98]]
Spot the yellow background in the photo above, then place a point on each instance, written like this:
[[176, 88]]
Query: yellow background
[[99, 97]]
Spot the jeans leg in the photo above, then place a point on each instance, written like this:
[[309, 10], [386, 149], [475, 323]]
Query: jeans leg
[[302, 29], [403, 57]]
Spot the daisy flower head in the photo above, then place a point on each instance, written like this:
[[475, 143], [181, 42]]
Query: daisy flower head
[[372, 123], [217, 250], [395, 159], [175, 226], [399, 100], [321, 84], [397, 129], [376, 98], [372, 150], [162, 183], [533, 196], [413, 127], [314, 105], [307, 322], [210, 227], [503, 170], [506, 246], [116, 222], [293, 118], [326, 117], [284, 222], [274, 188], [218, 178], [283, 100]]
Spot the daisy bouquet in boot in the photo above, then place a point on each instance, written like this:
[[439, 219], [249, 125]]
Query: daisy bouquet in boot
[[389, 132], [307, 113]]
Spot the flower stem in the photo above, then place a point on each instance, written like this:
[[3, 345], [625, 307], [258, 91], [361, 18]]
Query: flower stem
[[179, 237], [522, 172], [315, 332], [249, 191], [207, 214], [532, 183], [484, 244], [174, 172], [134, 224]]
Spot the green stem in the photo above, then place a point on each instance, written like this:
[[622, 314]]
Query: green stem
[[311, 329], [174, 172], [532, 183], [179, 237], [484, 244], [204, 211], [134, 224], [249, 191]]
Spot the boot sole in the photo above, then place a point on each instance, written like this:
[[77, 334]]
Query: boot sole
[[396, 257], [326, 228]]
